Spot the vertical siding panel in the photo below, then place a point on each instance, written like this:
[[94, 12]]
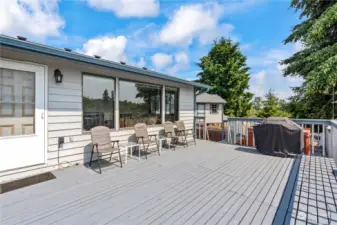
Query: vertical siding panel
[[186, 106]]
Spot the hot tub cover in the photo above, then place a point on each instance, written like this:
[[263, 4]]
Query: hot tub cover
[[279, 136]]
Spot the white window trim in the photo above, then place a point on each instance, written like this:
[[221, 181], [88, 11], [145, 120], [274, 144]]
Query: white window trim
[[216, 110]]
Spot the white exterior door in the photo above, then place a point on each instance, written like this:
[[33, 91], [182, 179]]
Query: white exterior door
[[22, 119]]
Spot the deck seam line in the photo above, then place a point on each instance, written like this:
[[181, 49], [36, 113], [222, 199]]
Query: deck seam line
[[138, 205], [262, 202]]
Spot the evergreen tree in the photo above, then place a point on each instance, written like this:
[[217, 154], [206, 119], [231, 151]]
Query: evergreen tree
[[272, 106], [317, 62], [226, 70], [106, 96], [257, 103]]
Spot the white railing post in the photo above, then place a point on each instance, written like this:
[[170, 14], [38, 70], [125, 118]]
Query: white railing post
[[241, 133], [323, 145], [312, 138], [235, 126], [247, 133], [229, 141]]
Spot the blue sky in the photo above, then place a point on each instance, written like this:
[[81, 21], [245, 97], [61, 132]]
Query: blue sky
[[169, 36]]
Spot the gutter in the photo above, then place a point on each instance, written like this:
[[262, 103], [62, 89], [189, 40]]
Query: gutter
[[10, 42]]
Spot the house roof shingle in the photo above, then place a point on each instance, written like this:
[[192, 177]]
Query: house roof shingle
[[209, 98]]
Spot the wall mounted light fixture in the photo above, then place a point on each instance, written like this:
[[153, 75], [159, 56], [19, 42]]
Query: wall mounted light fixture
[[58, 76]]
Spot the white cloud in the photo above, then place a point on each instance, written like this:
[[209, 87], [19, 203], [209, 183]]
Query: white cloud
[[221, 30], [298, 46], [262, 81], [141, 62], [128, 8], [295, 81], [161, 60], [108, 47], [35, 19], [196, 21], [181, 61], [181, 58], [244, 47], [269, 61], [275, 55], [257, 83], [284, 94], [191, 78], [231, 7]]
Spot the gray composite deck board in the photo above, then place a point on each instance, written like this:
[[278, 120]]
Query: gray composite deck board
[[210, 183]]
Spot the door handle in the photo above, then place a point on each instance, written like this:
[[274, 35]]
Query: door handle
[[42, 115]]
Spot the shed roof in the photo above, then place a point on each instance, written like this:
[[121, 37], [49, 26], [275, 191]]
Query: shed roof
[[209, 98], [10, 42]]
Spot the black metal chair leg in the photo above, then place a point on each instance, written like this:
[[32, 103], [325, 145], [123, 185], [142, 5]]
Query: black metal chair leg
[[183, 139], [92, 152], [99, 164], [110, 156], [120, 158], [145, 150], [157, 144], [185, 134]]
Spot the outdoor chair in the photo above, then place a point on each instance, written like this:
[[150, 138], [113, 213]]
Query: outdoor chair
[[170, 133], [145, 139], [100, 137], [182, 132]]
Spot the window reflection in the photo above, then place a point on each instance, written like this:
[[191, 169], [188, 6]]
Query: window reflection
[[171, 104], [98, 101], [139, 103]]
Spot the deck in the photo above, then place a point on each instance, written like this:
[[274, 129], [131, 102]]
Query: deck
[[209, 183]]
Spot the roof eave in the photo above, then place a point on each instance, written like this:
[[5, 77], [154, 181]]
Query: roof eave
[[30, 46], [205, 102]]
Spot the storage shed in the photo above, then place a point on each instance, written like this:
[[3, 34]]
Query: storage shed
[[210, 107]]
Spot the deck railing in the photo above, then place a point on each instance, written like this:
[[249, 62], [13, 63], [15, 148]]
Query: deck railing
[[323, 133]]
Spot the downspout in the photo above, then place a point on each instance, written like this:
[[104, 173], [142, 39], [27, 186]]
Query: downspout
[[194, 111], [222, 124]]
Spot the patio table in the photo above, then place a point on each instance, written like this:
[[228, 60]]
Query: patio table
[[131, 145], [163, 138]]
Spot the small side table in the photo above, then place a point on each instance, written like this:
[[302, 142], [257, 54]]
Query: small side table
[[131, 145], [162, 139]]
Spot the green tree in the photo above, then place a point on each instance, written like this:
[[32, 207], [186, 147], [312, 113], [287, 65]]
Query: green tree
[[225, 69], [257, 103], [317, 62], [272, 106], [106, 96]]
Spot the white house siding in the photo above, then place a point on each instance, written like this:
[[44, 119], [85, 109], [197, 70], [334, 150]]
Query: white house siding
[[65, 116], [186, 106], [213, 117]]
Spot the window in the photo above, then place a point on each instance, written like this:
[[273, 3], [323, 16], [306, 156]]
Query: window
[[139, 103], [171, 104], [98, 101], [17, 102], [214, 108]]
